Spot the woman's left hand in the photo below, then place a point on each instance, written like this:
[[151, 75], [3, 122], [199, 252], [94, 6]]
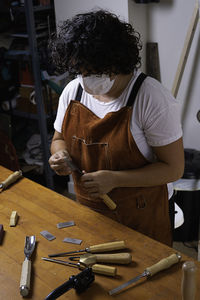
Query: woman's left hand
[[98, 183]]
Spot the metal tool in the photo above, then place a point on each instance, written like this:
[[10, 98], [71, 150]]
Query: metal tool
[[98, 269], [106, 247], [1, 233], [106, 199], [90, 259], [73, 166], [11, 179], [150, 271], [80, 283], [26, 266]]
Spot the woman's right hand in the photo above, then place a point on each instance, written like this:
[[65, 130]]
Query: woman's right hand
[[58, 162]]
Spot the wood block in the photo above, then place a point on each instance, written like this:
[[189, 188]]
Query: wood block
[[13, 218]]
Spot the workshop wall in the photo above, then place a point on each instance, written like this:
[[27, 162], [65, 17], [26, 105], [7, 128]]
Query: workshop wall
[[66, 9], [165, 23]]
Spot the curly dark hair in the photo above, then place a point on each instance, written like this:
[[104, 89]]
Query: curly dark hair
[[96, 42]]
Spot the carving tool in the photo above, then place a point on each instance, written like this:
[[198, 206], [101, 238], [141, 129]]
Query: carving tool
[[11, 179], [150, 271], [90, 259], [106, 247], [98, 269], [26, 266], [106, 199]]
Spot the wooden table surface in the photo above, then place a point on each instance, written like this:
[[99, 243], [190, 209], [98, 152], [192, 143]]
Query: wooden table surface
[[41, 209]]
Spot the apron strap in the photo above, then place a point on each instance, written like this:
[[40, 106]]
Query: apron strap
[[132, 96], [79, 93], [135, 89]]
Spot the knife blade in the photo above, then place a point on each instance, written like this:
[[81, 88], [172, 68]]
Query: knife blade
[[163, 264], [72, 165]]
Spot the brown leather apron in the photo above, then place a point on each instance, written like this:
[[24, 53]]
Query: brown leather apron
[[107, 144]]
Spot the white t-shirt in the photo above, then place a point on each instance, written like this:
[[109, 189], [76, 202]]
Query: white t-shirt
[[155, 117]]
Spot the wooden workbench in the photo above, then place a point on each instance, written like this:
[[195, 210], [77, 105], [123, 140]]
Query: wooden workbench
[[41, 209]]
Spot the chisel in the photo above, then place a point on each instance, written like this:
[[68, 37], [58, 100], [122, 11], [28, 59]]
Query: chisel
[[11, 179], [106, 199], [115, 258], [106, 247], [150, 271], [98, 269]]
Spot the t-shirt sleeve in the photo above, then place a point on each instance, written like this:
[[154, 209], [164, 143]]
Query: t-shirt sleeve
[[60, 115], [68, 94], [160, 116]]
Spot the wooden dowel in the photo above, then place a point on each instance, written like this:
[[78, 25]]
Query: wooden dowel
[[186, 49]]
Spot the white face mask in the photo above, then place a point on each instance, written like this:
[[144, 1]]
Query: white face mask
[[96, 84]]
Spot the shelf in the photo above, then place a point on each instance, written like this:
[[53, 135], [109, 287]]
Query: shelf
[[26, 109], [42, 111], [14, 54], [27, 115], [25, 35], [36, 8]]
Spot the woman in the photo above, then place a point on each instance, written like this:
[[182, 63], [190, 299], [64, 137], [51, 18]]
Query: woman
[[119, 126]]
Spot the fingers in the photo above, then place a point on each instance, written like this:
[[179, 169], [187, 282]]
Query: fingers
[[87, 176], [61, 170], [58, 163], [97, 183], [90, 185], [93, 192]]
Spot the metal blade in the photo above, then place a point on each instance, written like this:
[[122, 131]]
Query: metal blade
[[122, 286], [72, 165], [62, 262], [66, 253], [29, 247]]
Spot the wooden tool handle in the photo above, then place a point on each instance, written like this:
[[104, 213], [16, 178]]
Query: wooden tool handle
[[25, 278], [105, 270], [163, 264], [116, 258], [188, 284], [107, 247], [108, 201], [12, 178]]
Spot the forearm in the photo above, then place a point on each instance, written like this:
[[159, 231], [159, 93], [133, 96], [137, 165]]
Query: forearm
[[168, 168], [58, 159], [57, 145], [150, 175]]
